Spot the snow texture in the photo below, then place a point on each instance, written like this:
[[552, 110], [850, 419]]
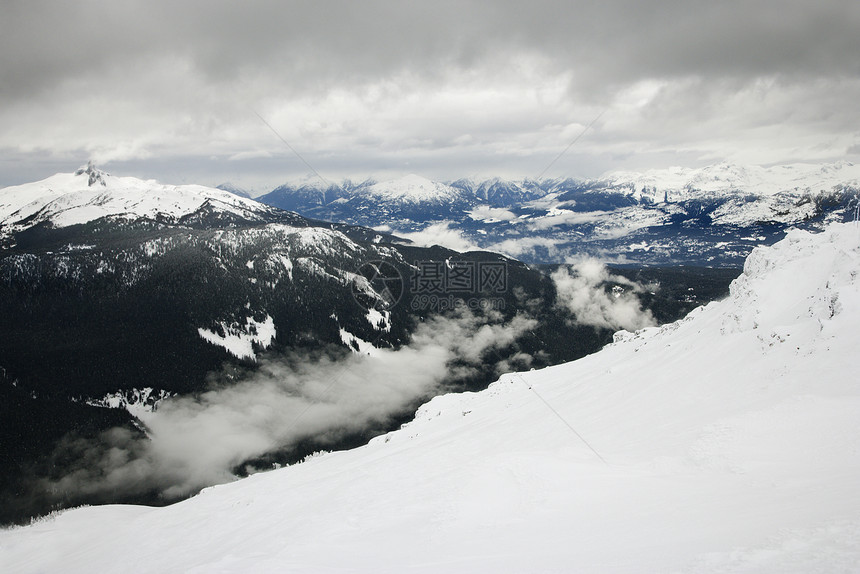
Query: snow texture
[[725, 442], [239, 340], [139, 402], [356, 344]]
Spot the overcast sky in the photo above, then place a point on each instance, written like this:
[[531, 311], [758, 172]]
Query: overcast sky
[[176, 90]]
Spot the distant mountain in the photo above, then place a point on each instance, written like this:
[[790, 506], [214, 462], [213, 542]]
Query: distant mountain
[[413, 189], [724, 442], [724, 178], [497, 192], [306, 194], [410, 197], [234, 189], [707, 216]]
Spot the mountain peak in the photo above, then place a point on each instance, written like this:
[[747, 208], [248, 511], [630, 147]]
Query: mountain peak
[[413, 189], [90, 193], [94, 174]]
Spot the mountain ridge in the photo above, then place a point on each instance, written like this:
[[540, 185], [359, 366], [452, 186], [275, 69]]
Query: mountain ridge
[[715, 214], [88, 194], [684, 183]]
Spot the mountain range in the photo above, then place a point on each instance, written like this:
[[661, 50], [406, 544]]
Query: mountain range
[[131, 311], [724, 442], [710, 216]]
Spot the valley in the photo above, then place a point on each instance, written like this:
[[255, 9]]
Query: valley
[[121, 297]]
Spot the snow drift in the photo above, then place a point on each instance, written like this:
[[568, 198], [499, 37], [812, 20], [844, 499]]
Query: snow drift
[[725, 442]]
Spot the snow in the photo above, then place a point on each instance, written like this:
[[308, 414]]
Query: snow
[[413, 189], [379, 320], [285, 263], [139, 402], [67, 199], [364, 347], [607, 224], [724, 177], [782, 207], [81, 247], [322, 241], [239, 340], [725, 442], [311, 266]]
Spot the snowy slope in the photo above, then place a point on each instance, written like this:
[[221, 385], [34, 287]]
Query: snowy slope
[[88, 194], [730, 439]]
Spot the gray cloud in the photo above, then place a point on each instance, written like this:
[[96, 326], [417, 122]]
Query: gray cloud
[[581, 292], [437, 88], [621, 41]]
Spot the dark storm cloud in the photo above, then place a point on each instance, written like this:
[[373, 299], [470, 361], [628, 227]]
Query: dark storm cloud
[[45, 43], [420, 83]]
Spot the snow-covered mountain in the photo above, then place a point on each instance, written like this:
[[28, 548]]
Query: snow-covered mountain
[[724, 442], [687, 183], [88, 194], [413, 189], [306, 193], [410, 197], [705, 216], [111, 285], [498, 192]]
